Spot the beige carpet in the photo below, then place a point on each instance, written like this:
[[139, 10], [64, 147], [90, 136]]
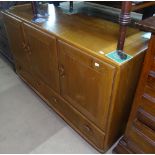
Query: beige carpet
[[28, 125]]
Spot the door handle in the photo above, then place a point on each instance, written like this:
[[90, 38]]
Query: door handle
[[23, 45], [61, 70], [26, 47]]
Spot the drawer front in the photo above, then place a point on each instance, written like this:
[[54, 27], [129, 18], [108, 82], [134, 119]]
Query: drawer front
[[153, 65], [141, 137], [146, 112], [151, 79], [77, 121], [73, 117], [80, 123]]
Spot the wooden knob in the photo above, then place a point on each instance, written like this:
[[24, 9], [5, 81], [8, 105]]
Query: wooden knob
[[87, 128], [55, 100]]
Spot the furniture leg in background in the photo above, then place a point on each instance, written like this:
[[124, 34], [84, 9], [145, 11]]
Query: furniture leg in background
[[140, 132]]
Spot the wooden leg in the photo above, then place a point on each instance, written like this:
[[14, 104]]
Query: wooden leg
[[34, 8], [124, 20]]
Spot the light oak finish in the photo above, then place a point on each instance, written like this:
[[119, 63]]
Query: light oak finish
[[88, 90]]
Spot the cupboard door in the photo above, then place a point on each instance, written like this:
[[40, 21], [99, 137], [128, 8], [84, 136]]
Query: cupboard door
[[86, 83], [43, 56], [16, 39]]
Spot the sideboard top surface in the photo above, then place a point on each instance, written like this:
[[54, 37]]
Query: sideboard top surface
[[88, 32]]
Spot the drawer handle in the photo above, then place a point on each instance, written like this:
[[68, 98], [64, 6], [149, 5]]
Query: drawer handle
[[55, 99], [87, 128]]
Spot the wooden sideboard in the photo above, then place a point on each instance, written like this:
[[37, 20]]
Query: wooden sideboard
[[64, 61], [140, 132]]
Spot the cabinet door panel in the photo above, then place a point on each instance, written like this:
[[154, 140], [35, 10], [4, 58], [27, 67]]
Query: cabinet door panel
[[43, 56], [86, 83], [16, 39]]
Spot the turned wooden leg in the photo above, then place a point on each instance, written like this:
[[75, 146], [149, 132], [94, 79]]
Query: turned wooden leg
[[124, 20], [34, 8]]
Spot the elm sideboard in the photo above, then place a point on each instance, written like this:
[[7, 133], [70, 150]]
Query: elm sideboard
[[64, 60]]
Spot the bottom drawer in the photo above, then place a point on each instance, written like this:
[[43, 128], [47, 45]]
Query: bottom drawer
[[73, 117]]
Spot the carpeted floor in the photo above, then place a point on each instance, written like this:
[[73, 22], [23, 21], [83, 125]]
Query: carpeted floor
[[28, 125]]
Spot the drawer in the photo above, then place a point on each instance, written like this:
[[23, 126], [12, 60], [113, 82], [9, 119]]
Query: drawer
[[146, 112], [125, 146], [151, 79], [142, 137], [80, 123], [146, 118], [148, 100]]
